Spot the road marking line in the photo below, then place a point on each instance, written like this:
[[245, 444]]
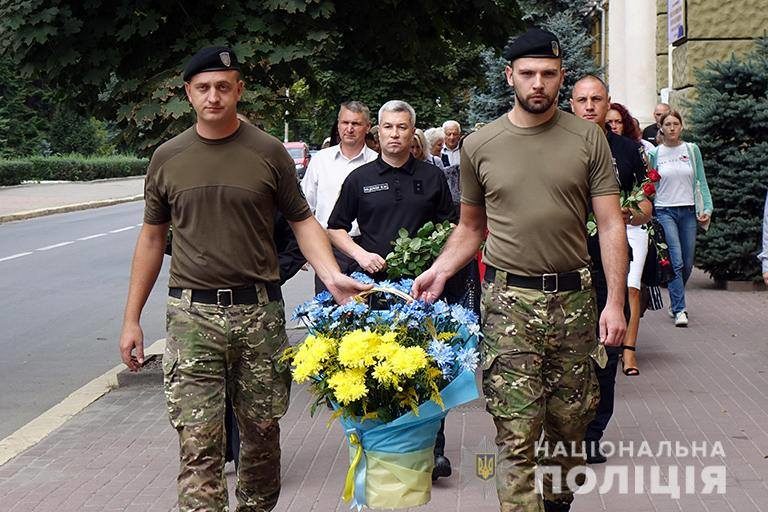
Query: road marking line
[[34, 431], [14, 256], [54, 246], [122, 229], [92, 236]]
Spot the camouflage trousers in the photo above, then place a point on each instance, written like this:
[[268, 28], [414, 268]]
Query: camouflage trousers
[[538, 378], [212, 352]]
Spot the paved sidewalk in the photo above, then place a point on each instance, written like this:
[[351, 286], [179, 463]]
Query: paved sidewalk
[[34, 199], [704, 384]]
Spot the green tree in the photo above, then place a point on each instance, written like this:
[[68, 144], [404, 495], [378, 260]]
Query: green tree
[[729, 121], [121, 59], [24, 108], [495, 96]]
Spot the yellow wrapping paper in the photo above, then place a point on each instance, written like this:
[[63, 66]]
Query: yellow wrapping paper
[[397, 480]]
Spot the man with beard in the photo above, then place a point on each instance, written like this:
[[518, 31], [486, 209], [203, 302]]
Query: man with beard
[[530, 175]]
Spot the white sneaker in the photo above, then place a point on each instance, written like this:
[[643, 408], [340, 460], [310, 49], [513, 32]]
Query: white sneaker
[[681, 319], [670, 312]]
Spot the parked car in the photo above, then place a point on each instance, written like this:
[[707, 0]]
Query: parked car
[[299, 151]]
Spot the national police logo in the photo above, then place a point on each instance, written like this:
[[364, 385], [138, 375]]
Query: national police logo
[[485, 465], [555, 49], [225, 58]]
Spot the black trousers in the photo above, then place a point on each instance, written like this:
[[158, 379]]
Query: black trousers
[[606, 377]]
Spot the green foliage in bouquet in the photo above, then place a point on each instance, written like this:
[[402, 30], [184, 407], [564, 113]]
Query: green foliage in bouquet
[[412, 256]]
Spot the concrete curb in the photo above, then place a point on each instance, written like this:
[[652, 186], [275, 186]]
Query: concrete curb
[[30, 214], [37, 429]]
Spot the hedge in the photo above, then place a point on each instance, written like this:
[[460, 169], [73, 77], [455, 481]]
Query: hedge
[[70, 168], [13, 172]]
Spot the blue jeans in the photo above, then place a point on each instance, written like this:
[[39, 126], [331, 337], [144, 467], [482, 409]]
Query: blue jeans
[[679, 223]]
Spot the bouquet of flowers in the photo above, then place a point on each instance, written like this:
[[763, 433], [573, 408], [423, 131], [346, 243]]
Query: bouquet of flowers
[[646, 189], [391, 374]]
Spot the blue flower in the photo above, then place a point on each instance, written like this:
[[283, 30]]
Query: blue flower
[[404, 285], [444, 356], [467, 359], [463, 315], [440, 308], [324, 297], [363, 278]]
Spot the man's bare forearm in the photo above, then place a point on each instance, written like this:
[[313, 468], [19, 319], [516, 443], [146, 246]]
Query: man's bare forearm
[[459, 249], [315, 246], [613, 252], [145, 267], [343, 242]]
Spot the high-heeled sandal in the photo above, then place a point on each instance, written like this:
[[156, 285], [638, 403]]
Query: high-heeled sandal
[[629, 371]]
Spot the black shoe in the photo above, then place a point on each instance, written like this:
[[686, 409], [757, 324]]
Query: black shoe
[[594, 456], [556, 506], [442, 467]]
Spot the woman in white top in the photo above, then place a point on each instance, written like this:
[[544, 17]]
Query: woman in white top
[[682, 201]]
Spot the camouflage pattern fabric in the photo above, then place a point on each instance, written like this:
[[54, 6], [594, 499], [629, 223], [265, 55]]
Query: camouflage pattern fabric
[[211, 351], [538, 376]]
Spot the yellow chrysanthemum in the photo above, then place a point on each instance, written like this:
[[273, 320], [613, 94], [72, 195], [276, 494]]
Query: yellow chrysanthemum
[[357, 349], [387, 349], [310, 355], [407, 361], [385, 374], [348, 385]]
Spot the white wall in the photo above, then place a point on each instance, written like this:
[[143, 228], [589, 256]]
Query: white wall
[[632, 56]]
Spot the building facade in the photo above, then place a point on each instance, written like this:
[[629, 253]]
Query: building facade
[[644, 63]]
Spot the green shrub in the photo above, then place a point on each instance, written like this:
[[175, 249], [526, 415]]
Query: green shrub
[[80, 168], [13, 172], [728, 120]]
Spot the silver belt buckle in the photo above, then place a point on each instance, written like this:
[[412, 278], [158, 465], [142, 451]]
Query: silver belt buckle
[[544, 286], [224, 293]]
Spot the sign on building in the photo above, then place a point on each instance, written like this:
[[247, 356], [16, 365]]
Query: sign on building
[[675, 20]]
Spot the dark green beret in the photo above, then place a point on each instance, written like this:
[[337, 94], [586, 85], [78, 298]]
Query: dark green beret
[[534, 43], [213, 58]]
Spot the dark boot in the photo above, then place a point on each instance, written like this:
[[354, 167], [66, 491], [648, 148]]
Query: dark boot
[[556, 506], [442, 467], [594, 455]]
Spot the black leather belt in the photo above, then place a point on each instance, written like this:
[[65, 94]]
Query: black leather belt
[[226, 297], [548, 283]]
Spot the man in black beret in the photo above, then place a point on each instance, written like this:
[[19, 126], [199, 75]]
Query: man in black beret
[[221, 183], [530, 176]]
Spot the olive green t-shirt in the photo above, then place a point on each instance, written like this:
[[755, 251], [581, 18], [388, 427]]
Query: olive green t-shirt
[[221, 197], [535, 184]]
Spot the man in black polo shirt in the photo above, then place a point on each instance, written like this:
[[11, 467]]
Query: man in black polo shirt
[[394, 191]]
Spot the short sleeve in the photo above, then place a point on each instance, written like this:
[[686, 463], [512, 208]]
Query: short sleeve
[[345, 209], [290, 198], [602, 178], [157, 209], [471, 188]]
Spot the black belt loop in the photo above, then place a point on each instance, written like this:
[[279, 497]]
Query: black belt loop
[[547, 283], [226, 297]]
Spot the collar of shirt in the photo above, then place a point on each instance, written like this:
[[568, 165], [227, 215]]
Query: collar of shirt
[[407, 167], [339, 154]]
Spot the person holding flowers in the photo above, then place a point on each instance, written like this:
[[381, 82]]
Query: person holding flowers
[[395, 191], [531, 176], [682, 202]]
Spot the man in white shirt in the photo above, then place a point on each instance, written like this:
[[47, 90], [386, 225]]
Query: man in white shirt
[[450, 154], [330, 166]]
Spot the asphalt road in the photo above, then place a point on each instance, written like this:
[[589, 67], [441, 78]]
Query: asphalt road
[[63, 283]]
